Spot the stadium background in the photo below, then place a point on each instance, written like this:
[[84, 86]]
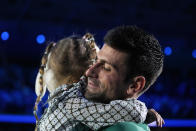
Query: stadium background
[[26, 26]]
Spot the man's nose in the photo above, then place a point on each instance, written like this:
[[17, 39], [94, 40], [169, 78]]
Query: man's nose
[[92, 71]]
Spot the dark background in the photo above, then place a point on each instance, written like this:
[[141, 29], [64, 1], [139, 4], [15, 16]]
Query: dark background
[[171, 21]]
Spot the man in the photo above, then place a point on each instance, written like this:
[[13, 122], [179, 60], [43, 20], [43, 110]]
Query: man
[[127, 65]]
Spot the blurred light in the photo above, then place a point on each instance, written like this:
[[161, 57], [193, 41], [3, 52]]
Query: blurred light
[[16, 118], [168, 51], [31, 120], [5, 35], [176, 123], [40, 39], [157, 105], [180, 123], [194, 53]]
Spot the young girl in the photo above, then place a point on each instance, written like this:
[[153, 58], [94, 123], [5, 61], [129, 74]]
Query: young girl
[[62, 66]]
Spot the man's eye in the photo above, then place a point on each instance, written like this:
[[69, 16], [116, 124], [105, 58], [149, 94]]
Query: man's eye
[[106, 68]]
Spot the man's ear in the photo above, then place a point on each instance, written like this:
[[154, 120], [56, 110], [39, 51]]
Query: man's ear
[[136, 86]]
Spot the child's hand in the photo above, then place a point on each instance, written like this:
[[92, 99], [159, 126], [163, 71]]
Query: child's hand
[[152, 115]]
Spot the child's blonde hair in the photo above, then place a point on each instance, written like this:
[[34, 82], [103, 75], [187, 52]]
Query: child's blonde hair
[[69, 58]]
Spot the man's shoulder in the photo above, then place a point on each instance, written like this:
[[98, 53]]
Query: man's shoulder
[[128, 126]]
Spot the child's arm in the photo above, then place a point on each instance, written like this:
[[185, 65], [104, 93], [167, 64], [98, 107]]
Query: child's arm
[[69, 106], [97, 115]]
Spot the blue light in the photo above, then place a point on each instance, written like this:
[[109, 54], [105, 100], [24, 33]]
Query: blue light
[[168, 51], [40, 39], [176, 123], [194, 53], [16, 118], [8, 118], [180, 123], [5, 35]]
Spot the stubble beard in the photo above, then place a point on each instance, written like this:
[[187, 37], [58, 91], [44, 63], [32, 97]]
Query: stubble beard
[[103, 96], [97, 97], [100, 95]]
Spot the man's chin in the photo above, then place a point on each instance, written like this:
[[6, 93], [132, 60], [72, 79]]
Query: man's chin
[[96, 97], [90, 94]]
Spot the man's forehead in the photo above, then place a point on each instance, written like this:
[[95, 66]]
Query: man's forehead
[[105, 53], [111, 55]]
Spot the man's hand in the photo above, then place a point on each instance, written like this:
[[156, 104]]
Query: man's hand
[[152, 115]]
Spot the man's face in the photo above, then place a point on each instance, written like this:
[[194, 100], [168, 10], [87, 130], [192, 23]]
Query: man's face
[[106, 76]]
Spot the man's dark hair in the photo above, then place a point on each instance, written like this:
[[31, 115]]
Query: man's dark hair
[[144, 52]]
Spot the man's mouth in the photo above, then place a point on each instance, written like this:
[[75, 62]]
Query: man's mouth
[[92, 85]]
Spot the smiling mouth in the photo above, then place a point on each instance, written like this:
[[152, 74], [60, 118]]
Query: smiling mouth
[[92, 85]]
